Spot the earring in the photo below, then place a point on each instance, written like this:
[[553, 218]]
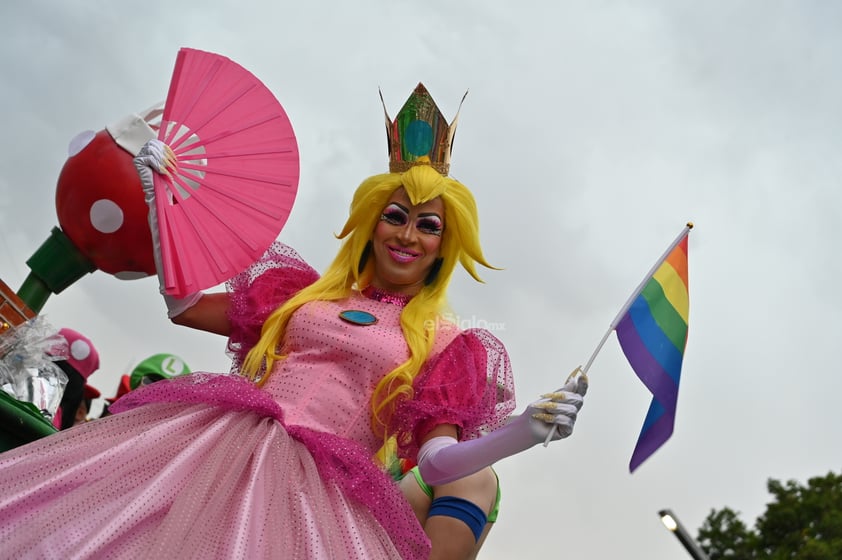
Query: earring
[[434, 271], [364, 257]]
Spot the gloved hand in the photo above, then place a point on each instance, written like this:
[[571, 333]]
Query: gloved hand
[[558, 410], [155, 155], [443, 459]]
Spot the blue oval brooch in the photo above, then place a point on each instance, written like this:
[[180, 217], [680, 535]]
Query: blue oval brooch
[[358, 317]]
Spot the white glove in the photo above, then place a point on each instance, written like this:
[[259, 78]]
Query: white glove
[[558, 410], [158, 156], [443, 459]]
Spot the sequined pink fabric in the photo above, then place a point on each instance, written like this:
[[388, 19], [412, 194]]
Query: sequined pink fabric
[[469, 384], [169, 480], [258, 291], [211, 466]]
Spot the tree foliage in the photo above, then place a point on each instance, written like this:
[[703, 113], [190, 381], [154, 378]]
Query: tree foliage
[[800, 523]]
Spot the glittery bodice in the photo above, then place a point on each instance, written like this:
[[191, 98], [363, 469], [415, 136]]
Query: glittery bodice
[[332, 366]]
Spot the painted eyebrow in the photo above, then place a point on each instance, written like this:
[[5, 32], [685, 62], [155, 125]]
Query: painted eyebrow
[[399, 205], [405, 209]]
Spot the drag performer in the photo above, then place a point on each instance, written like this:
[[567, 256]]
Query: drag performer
[[275, 460]]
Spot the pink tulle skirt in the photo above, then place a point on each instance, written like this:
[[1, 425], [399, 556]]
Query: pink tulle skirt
[[199, 480]]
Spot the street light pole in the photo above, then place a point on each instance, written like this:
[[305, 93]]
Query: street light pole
[[672, 523]]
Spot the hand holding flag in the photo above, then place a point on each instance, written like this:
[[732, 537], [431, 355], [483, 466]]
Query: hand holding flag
[[560, 408]]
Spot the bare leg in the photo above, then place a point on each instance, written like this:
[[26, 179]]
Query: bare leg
[[451, 538]]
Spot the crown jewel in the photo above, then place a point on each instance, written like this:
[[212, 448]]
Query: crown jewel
[[419, 131]]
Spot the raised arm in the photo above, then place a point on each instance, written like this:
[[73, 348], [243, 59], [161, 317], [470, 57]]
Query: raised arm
[[207, 312], [443, 459]]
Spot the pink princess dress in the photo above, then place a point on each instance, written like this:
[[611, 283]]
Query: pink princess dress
[[212, 466]]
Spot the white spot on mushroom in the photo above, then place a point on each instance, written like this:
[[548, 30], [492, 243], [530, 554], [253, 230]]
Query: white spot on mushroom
[[130, 275], [106, 216], [80, 350], [78, 143]]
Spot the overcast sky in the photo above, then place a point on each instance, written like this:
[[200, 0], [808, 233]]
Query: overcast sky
[[592, 132]]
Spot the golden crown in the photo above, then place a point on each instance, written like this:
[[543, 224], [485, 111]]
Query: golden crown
[[420, 134]]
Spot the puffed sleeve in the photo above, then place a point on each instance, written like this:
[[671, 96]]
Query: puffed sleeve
[[468, 384], [256, 292]]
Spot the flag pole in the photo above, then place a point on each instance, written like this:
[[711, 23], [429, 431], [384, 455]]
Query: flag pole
[[629, 301]]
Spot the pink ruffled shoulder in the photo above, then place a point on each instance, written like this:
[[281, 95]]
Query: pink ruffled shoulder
[[468, 384], [256, 292]]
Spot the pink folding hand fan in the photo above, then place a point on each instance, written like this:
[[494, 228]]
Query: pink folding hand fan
[[237, 173]]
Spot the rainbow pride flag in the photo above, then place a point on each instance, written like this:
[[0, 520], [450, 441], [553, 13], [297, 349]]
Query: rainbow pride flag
[[652, 330]]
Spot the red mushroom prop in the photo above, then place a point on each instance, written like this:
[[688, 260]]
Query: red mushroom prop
[[101, 211], [100, 207]]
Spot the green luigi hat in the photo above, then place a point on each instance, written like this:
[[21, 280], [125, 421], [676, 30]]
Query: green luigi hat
[[155, 368]]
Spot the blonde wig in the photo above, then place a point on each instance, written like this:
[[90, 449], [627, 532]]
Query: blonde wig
[[460, 243]]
